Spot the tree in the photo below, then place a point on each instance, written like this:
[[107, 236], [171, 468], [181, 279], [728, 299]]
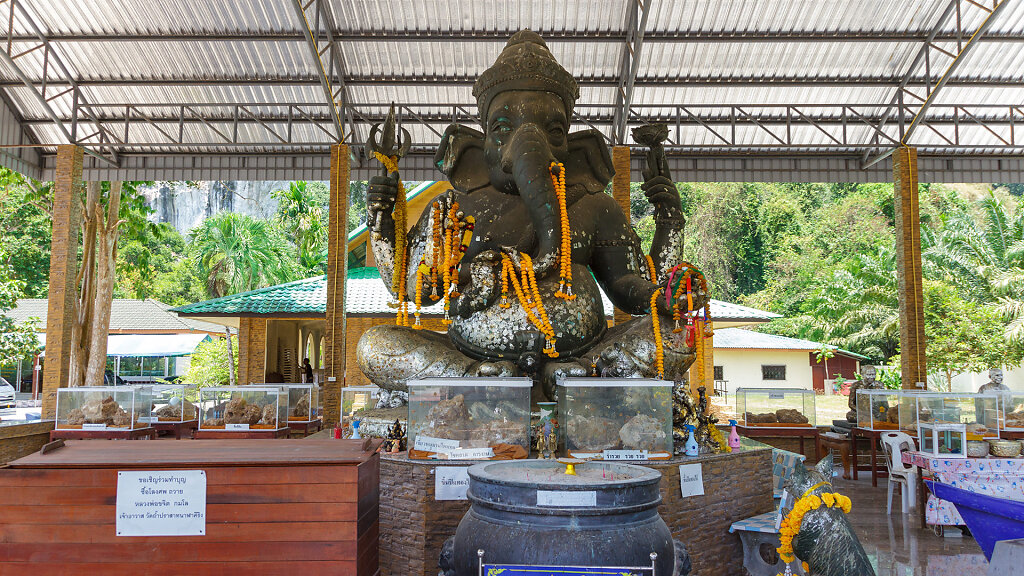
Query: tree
[[209, 365], [25, 232], [302, 216], [235, 253], [18, 340]]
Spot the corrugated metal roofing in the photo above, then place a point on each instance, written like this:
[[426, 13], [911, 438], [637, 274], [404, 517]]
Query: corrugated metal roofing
[[126, 315], [365, 293], [818, 55], [740, 338]]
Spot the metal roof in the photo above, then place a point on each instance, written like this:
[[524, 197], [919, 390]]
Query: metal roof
[[126, 316], [739, 338], [365, 293], [171, 89]]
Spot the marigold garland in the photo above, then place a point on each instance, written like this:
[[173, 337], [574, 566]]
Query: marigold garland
[[401, 255], [534, 311], [790, 526], [659, 349], [652, 273], [436, 217], [421, 272], [565, 258]]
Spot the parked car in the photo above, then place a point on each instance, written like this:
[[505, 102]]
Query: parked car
[[6, 395]]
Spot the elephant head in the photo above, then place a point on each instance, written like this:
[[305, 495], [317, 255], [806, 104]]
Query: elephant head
[[526, 100]]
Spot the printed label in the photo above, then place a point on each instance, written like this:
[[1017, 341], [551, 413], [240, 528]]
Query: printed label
[[429, 444], [451, 482], [471, 454], [161, 503], [94, 426], [625, 455], [776, 395], [691, 480], [236, 426], [566, 498]]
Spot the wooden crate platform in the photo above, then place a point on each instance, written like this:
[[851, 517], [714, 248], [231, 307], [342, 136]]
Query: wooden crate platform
[[201, 434], [302, 429], [274, 507], [180, 429], [147, 433]]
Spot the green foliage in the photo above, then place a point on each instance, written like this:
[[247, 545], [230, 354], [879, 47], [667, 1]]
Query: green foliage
[[17, 340], [235, 253], [209, 364], [302, 216], [25, 232]]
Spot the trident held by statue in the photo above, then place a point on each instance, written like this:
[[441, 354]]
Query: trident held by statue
[[394, 143]]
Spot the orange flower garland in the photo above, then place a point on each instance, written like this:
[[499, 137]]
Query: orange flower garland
[[565, 259], [401, 256], [651, 272], [659, 349], [523, 290], [421, 271]]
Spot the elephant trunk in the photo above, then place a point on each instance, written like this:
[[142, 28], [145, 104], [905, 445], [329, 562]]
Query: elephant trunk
[[528, 158]]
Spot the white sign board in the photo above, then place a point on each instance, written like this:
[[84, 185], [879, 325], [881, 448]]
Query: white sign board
[[236, 426], [566, 498], [88, 426], [451, 482], [625, 455], [161, 503], [691, 480], [429, 444], [471, 454]]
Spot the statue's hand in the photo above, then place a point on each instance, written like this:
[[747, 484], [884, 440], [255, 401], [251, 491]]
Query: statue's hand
[[381, 195], [483, 288], [661, 193]]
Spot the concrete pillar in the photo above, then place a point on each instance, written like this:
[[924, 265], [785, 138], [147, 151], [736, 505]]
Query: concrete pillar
[[913, 366], [67, 217], [337, 264], [620, 191], [252, 350]]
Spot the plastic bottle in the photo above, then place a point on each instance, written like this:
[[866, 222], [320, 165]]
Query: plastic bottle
[[734, 438], [691, 442], [355, 430]]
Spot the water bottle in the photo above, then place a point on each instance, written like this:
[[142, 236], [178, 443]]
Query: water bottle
[[734, 438], [691, 442]]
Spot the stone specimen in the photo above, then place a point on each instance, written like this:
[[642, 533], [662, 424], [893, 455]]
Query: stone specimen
[[642, 432], [451, 413], [238, 411], [75, 417], [269, 416], [594, 433], [1014, 419], [173, 411], [766, 418], [301, 409], [790, 416], [99, 411]]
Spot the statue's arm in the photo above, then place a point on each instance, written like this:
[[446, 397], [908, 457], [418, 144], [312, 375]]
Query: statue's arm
[[667, 245], [381, 195], [616, 259]]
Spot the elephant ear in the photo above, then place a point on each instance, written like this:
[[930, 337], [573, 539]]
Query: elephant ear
[[460, 157], [589, 164]]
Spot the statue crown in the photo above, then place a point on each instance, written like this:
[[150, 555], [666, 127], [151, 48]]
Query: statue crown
[[525, 63]]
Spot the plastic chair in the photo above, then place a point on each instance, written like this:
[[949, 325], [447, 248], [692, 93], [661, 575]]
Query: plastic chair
[[895, 444]]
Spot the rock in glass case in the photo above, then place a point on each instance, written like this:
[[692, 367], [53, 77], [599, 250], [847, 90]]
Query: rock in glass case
[[243, 408], [775, 407], [303, 402], [103, 407], [880, 410], [978, 412], [469, 418], [173, 403], [613, 418], [1011, 407]]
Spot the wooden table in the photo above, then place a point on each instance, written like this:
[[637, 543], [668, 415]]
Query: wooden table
[[801, 432], [872, 437], [306, 428], [306, 507], [179, 429], [839, 443], [147, 433], [221, 434]]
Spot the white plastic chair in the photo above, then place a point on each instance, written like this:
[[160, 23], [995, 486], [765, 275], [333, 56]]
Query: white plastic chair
[[895, 444]]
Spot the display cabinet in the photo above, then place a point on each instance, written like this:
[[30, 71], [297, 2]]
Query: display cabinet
[[1011, 410], [469, 418], [355, 400], [775, 407], [979, 413], [172, 403], [103, 407], [880, 410], [945, 439], [241, 408], [613, 418], [303, 402]]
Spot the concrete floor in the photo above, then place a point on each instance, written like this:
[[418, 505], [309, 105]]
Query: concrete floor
[[897, 545]]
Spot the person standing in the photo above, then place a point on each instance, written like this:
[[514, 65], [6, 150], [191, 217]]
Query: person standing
[[307, 371]]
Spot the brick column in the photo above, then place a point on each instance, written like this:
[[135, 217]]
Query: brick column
[[337, 263], [67, 217], [908, 266], [252, 350], [620, 191]]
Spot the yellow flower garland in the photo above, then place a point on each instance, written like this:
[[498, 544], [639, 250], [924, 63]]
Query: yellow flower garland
[[791, 525], [651, 272], [523, 291], [659, 349], [565, 262]]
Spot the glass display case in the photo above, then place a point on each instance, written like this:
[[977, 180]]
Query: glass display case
[[303, 402], [616, 418], [104, 407], [946, 439], [354, 400], [775, 407], [1011, 410], [469, 418], [172, 403], [880, 410], [978, 412], [243, 408]]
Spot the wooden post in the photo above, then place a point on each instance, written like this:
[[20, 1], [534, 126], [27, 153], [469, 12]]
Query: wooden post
[[913, 364], [620, 191], [337, 264], [67, 217]]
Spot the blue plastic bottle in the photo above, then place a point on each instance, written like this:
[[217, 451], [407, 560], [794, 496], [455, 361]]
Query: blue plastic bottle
[[691, 442], [355, 430]]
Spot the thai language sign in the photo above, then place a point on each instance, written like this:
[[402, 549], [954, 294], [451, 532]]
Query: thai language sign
[[514, 570], [451, 482], [161, 503]]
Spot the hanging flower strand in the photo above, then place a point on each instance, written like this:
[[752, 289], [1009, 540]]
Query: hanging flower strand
[[659, 349], [565, 258]]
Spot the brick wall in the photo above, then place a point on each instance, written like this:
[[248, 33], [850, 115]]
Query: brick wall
[[413, 526], [23, 439]]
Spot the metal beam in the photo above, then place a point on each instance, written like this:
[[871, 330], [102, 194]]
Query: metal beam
[[636, 25], [313, 30]]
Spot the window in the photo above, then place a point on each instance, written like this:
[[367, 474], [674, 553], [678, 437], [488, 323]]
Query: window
[[773, 372], [719, 373]]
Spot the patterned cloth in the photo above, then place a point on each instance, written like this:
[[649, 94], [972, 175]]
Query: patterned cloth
[[764, 523], [999, 477], [783, 464]]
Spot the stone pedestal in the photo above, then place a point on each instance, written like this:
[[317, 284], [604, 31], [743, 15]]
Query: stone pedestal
[[414, 526]]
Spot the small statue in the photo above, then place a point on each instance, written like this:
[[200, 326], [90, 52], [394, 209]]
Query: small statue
[[547, 439], [683, 413], [995, 382], [705, 422], [395, 440], [866, 382]]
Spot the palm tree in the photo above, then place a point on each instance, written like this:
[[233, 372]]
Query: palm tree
[[236, 253], [301, 215]]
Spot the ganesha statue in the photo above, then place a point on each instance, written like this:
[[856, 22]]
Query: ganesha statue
[[518, 248]]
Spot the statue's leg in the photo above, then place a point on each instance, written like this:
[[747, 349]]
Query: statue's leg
[[390, 355], [628, 351]]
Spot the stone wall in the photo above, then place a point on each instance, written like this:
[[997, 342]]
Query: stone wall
[[17, 440], [413, 526]]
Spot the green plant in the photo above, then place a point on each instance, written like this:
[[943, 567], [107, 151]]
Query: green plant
[[209, 363]]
